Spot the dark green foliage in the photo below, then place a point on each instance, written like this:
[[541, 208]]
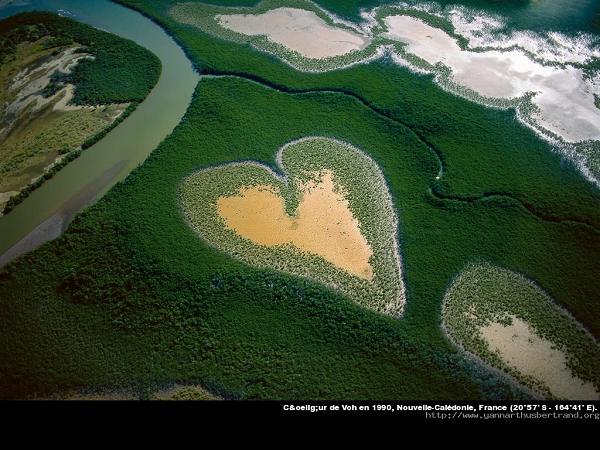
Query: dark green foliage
[[488, 157], [121, 71], [483, 149], [140, 301], [11, 36], [164, 306], [57, 82]]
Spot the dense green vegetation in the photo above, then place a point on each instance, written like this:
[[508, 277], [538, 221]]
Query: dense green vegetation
[[484, 294], [140, 300], [483, 149], [121, 71], [130, 296], [301, 162]]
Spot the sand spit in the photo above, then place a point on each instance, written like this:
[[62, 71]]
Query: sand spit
[[298, 30], [563, 98], [323, 225], [24, 94], [520, 347]]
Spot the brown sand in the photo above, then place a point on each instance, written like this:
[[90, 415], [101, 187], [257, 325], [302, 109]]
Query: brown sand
[[521, 348], [323, 224]]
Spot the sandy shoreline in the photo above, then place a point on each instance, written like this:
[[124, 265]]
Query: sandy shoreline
[[56, 224], [563, 98]]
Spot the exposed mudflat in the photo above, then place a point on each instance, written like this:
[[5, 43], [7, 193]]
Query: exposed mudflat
[[323, 224], [563, 98], [521, 348], [297, 29]]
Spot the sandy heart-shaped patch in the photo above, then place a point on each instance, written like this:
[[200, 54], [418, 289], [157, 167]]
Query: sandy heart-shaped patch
[[328, 216]]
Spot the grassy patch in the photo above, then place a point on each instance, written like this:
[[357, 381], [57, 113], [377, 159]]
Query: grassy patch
[[368, 198], [483, 294], [141, 301], [26, 153], [40, 137]]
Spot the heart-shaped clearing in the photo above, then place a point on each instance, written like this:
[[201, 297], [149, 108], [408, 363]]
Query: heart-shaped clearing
[[329, 218], [323, 224]]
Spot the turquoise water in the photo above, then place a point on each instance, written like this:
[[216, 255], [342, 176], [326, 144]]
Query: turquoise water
[[537, 15], [114, 157], [543, 15]]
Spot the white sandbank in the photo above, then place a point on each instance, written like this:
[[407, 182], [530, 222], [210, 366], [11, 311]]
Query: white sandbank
[[564, 99], [299, 30]]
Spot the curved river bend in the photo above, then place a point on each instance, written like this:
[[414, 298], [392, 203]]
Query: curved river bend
[[46, 213]]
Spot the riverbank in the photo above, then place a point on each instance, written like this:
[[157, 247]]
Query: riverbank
[[129, 142], [64, 86]]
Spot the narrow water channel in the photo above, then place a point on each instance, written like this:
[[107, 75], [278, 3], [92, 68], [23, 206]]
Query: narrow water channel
[[46, 213]]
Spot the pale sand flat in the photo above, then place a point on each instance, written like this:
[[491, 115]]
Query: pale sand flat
[[565, 101], [298, 30], [323, 224], [521, 348]]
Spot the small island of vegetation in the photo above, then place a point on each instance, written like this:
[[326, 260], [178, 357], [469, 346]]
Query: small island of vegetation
[[63, 86]]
